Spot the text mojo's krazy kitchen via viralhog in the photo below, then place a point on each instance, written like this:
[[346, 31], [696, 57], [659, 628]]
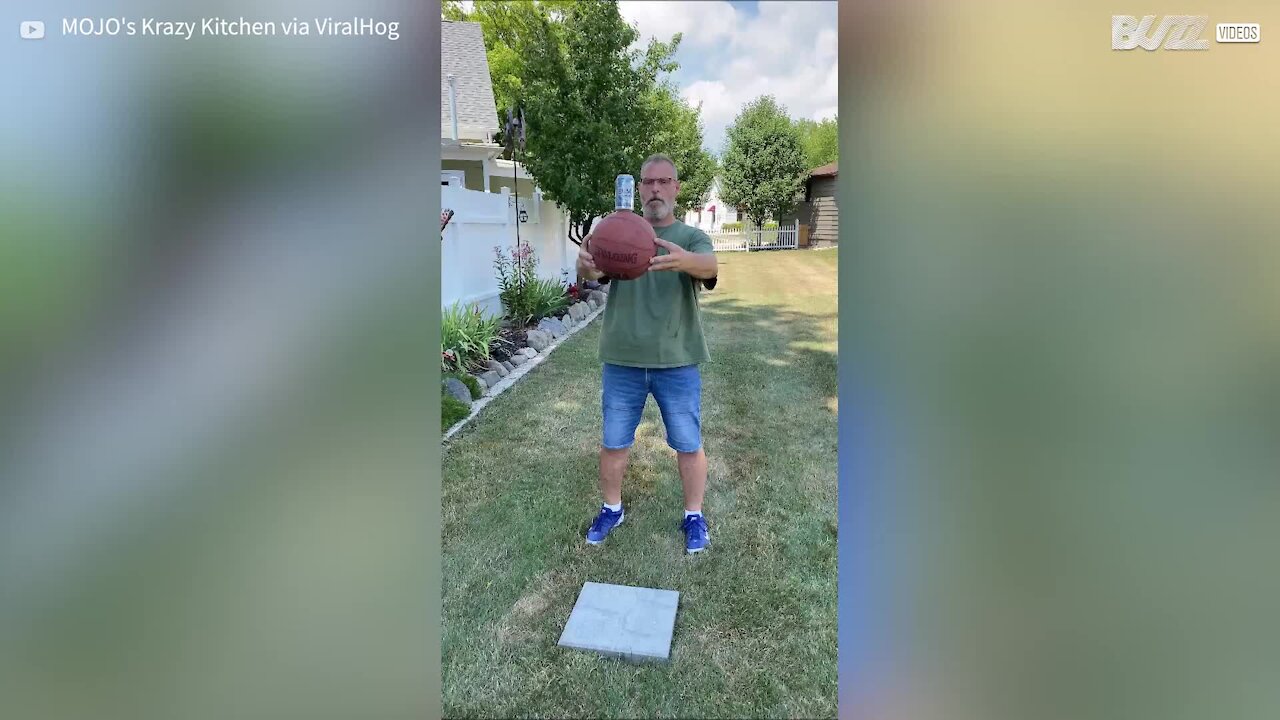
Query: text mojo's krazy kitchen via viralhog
[[238, 27]]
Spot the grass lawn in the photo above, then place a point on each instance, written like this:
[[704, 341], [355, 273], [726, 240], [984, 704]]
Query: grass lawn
[[755, 635]]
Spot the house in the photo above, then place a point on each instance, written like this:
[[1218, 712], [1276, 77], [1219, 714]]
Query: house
[[481, 188], [713, 214], [469, 118], [817, 214]]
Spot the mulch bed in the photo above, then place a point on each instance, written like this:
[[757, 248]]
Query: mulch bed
[[515, 338]]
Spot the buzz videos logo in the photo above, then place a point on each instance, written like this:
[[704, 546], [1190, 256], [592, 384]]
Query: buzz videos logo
[[1175, 32]]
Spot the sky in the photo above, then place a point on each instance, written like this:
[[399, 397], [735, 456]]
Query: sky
[[734, 52]]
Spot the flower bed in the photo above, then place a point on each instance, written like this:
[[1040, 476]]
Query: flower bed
[[538, 315], [527, 362]]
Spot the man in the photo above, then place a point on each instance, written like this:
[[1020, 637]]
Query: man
[[651, 342]]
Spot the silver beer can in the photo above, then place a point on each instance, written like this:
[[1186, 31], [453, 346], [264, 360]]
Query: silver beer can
[[624, 193]]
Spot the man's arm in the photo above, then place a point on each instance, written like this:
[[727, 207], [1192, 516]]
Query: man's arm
[[586, 266], [702, 265]]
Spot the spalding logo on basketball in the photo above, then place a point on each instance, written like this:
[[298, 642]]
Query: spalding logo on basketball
[[622, 244]]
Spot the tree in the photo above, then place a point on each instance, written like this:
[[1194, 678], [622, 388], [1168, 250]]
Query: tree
[[820, 140], [506, 27], [764, 163], [678, 134], [695, 182], [452, 10], [594, 108]]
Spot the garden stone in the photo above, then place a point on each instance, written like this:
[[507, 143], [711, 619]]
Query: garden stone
[[518, 360], [456, 388], [591, 304], [598, 297], [577, 313], [553, 326], [510, 366], [484, 386], [490, 378], [634, 623], [498, 367], [528, 352], [567, 320], [538, 339]]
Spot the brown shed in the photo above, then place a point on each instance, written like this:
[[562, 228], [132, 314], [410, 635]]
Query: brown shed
[[820, 196], [817, 213]]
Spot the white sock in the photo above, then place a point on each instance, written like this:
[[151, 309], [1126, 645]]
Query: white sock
[[687, 513], [614, 508]]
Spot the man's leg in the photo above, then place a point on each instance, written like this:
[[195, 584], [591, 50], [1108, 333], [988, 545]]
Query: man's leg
[[679, 395], [613, 465], [622, 398], [693, 475]]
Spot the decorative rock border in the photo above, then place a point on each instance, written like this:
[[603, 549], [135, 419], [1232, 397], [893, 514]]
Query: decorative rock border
[[530, 363]]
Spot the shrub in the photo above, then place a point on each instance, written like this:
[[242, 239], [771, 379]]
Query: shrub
[[470, 381], [737, 226], [465, 337], [451, 410], [526, 298], [516, 272], [546, 298]]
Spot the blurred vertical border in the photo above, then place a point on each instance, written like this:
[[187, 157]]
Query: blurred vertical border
[[219, 434], [1060, 378]]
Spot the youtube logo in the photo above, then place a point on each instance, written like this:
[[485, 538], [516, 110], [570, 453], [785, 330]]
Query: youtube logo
[[31, 30]]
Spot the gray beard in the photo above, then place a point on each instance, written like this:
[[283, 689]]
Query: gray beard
[[657, 214]]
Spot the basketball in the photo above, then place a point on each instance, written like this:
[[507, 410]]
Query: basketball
[[622, 244]]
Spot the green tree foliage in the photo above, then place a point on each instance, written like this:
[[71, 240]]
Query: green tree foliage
[[820, 140], [594, 108], [764, 163], [506, 27], [678, 133]]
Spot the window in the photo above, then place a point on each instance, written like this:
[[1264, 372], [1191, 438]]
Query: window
[[453, 178]]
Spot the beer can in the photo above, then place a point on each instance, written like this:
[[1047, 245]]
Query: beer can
[[624, 193]]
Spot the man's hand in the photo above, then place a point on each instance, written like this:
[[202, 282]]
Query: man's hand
[[699, 265], [586, 266]]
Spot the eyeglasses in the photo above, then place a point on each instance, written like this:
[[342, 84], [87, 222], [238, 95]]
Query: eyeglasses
[[663, 182]]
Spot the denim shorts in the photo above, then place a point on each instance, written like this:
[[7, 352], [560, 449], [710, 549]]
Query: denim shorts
[[678, 392]]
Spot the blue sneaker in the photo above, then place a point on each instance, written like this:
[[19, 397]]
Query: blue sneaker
[[696, 537], [606, 521]]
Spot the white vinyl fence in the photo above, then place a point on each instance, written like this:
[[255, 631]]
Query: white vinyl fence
[[779, 238], [482, 221]]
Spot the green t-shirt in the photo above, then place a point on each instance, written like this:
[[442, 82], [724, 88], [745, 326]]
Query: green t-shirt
[[654, 320]]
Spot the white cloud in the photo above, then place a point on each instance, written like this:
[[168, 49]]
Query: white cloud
[[826, 44], [788, 51], [826, 113], [717, 102], [703, 23]]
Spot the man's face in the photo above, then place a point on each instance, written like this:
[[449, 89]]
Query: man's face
[[658, 190]]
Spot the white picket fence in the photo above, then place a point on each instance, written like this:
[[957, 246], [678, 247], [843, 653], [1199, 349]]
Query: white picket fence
[[781, 238]]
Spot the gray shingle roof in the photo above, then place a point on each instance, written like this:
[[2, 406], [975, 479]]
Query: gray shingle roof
[[462, 53]]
